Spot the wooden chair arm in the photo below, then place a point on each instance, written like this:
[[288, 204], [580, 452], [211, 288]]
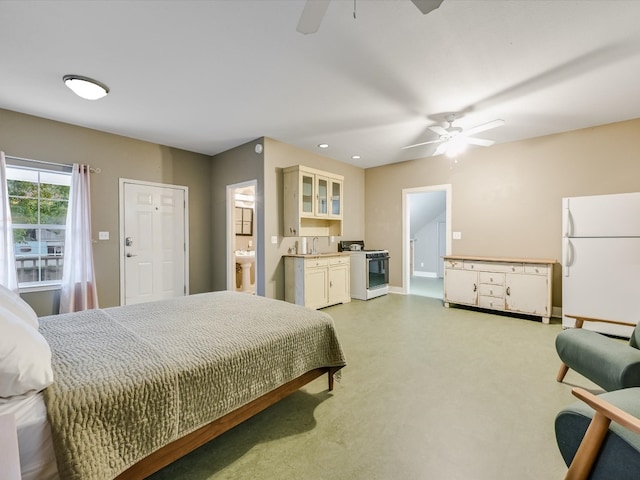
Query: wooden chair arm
[[589, 448], [580, 320], [612, 412]]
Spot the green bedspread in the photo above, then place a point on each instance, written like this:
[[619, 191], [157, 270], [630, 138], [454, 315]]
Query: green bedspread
[[129, 380]]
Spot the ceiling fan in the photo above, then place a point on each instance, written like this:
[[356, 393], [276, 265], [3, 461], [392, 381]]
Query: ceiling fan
[[453, 138], [314, 11]]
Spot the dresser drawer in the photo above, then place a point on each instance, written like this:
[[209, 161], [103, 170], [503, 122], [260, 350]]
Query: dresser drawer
[[454, 264], [536, 269], [491, 302], [492, 278], [491, 290]]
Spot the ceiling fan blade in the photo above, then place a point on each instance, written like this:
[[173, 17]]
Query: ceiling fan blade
[[479, 141], [483, 127], [312, 16], [420, 144], [438, 129], [442, 148], [426, 6]]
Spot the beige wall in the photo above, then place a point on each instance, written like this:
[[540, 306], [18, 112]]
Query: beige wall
[[118, 157], [237, 165], [506, 199], [278, 155]]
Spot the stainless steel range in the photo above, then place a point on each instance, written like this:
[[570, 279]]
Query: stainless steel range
[[369, 270]]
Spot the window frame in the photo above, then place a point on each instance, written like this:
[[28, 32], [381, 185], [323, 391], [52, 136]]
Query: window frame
[[13, 164]]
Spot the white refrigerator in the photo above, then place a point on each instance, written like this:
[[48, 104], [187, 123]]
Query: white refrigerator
[[601, 260]]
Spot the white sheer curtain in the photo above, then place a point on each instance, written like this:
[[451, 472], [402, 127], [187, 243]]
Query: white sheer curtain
[[8, 273], [78, 274]]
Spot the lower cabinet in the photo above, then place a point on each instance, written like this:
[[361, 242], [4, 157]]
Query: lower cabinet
[[505, 284], [317, 281]]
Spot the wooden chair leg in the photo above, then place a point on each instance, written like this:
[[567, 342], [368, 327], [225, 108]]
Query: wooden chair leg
[[562, 372], [582, 463]]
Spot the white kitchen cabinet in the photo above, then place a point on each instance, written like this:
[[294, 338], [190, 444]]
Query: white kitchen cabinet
[[313, 202], [505, 284], [317, 281]]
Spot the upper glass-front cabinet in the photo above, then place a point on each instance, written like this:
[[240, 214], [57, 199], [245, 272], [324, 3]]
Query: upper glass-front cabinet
[[336, 198], [313, 204], [307, 193], [322, 207]]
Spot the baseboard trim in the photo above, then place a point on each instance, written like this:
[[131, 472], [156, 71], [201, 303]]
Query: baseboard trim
[[425, 274]]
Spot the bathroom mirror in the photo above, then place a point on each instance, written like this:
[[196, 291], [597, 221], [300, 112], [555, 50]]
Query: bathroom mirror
[[244, 221]]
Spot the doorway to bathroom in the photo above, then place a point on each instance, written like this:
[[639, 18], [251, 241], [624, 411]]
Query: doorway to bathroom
[[242, 261]]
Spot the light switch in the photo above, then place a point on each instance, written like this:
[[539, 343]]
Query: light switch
[[457, 235], [274, 239], [103, 235]]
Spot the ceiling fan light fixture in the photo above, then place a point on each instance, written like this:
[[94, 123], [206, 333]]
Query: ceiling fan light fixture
[[456, 148], [86, 87]]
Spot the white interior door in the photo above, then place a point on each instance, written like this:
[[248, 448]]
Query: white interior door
[[154, 246]]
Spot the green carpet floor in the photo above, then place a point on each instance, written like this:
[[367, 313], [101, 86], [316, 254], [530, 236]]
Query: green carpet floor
[[428, 393]]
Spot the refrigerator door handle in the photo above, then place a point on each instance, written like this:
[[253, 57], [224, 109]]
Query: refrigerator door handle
[[567, 222], [568, 256]]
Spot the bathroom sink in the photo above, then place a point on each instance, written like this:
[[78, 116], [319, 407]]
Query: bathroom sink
[[246, 259], [243, 257]]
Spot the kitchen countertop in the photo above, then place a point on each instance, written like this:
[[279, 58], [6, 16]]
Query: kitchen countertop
[[316, 255]]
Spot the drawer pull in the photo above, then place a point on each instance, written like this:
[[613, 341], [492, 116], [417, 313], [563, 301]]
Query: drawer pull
[[475, 287], [508, 290]]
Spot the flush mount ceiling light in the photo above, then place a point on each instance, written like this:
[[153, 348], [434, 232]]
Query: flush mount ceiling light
[[85, 87], [323, 145]]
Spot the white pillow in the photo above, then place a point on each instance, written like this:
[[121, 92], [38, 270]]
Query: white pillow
[[25, 357], [14, 303]]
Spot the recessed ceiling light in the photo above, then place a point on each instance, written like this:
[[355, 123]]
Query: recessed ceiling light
[[355, 157], [85, 87], [323, 145]]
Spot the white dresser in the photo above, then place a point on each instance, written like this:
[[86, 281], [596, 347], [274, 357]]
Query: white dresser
[[515, 285]]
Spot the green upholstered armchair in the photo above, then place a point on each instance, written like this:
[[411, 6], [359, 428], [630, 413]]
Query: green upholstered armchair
[[600, 438], [610, 363]]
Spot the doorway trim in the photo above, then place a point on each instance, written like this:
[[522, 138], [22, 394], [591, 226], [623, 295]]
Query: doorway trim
[[231, 263], [406, 223], [121, 182]]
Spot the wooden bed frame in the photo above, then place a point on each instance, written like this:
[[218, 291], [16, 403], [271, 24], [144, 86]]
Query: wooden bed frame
[[179, 448]]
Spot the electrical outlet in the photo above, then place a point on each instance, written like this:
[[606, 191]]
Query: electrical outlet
[[457, 235], [103, 235], [274, 239]]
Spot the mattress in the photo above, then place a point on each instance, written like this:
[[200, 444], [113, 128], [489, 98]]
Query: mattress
[[37, 458], [187, 361]]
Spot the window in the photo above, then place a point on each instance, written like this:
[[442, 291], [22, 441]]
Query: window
[[38, 200]]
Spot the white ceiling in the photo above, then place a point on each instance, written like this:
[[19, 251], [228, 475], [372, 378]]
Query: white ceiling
[[207, 76]]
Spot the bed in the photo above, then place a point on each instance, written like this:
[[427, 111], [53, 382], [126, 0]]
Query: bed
[[136, 387]]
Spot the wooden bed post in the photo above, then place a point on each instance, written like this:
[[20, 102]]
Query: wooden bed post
[[332, 371]]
